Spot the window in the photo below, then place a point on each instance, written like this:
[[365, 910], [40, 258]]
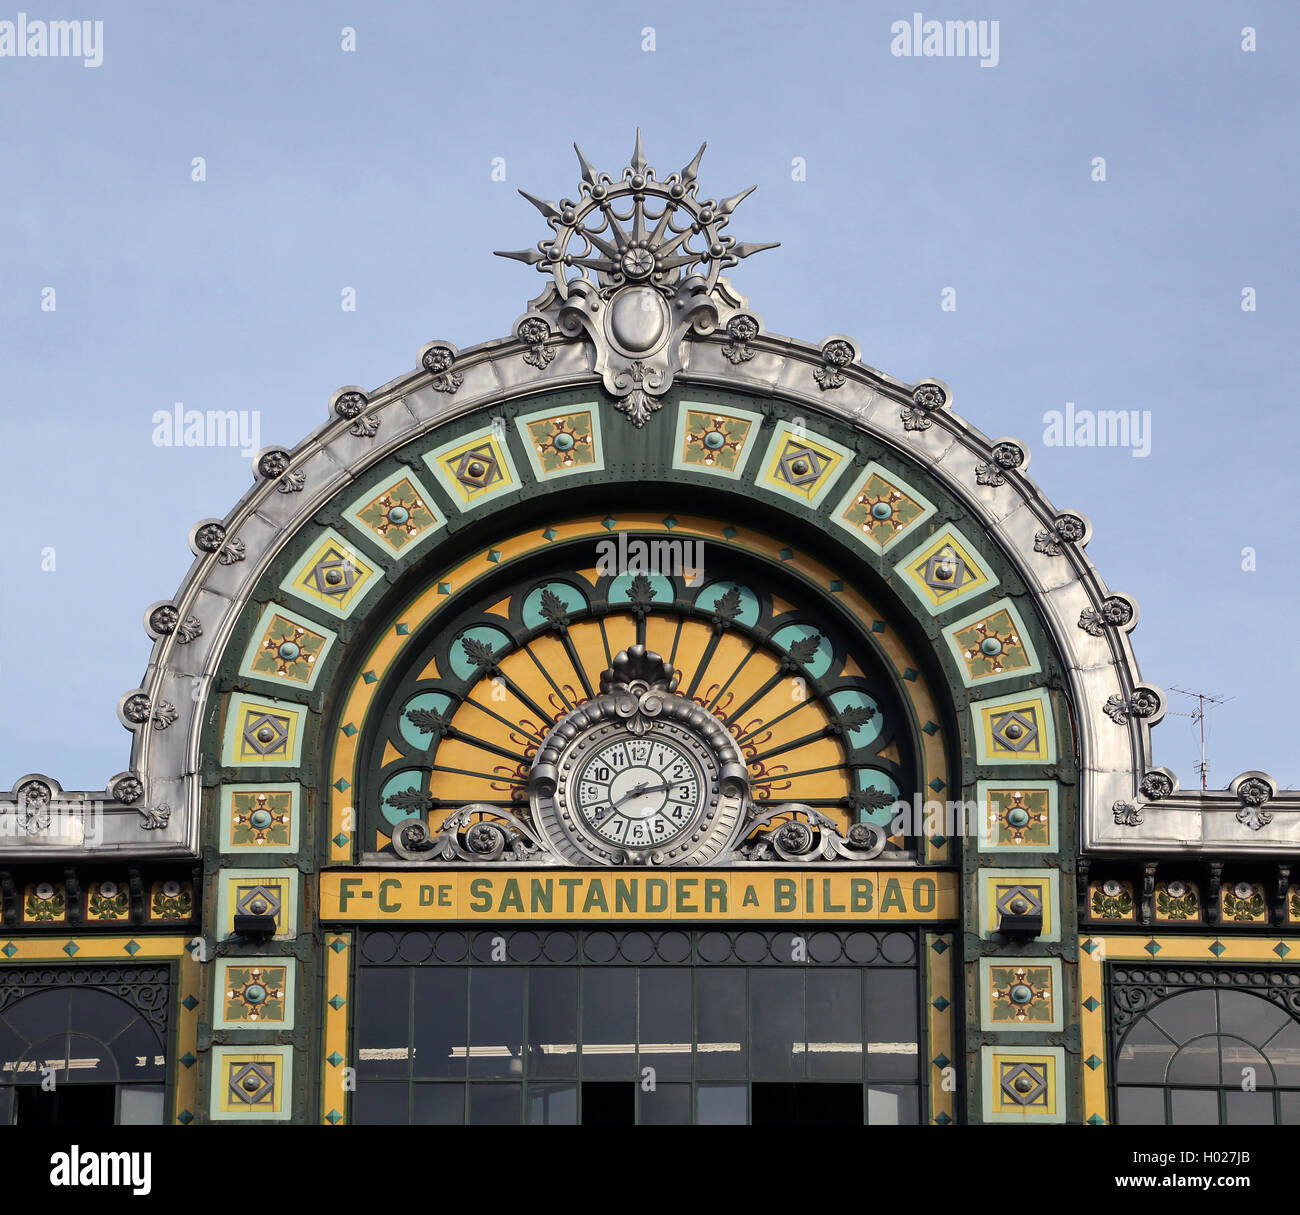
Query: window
[[1211, 1046], [611, 1028]]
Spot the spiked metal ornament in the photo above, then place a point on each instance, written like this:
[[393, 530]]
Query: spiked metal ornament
[[656, 251]]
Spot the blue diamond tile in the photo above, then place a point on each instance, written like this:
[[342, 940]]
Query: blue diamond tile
[[340, 840], [936, 784], [942, 1118], [670, 522], [729, 532], [940, 1002], [836, 585], [71, 947], [1218, 949], [349, 729], [910, 674], [334, 1059], [444, 588], [336, 1002], [1090, 946], [188, 1059], [334, 1117], [494, 556], [132, 947], [338, 944], [185, 1117], [938, 840], [1093, 1062], [609, 523], [342, 784], [941, 1060], [786, 554], [403, 629], [190, 1003], [1092, 1004], [940, 946], [1281, 950], [878, 626], [930, 728], [1152, 947], [369, 676], [1096, 1120]]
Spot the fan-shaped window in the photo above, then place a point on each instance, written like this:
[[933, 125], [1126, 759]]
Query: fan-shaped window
[[1224, 1054]]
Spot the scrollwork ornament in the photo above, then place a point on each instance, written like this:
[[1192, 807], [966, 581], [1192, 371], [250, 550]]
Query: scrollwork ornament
[[1254, 793], [1004, 457], [836, 355], [437, 361], [925, 399], [272, 464], [1065, 529], [155, 818], [476, 833], [741, 330], [1127, 814], [535, 332]]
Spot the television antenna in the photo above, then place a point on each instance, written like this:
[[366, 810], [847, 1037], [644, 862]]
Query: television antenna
[[1198, 715]]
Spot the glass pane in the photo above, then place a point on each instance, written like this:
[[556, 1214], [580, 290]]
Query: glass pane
[[720, 1104], [380, 1103], [1187, 1015], [1283, 1051], [609, 1022], [1194, 1107], [667, 1105], [1144, 1054], [1243, 1064], [383, 1017], [720, 1043], [1248, 1109], [553, 1021], [439, 1105], [494, 1104], [553, 1104], [666, 1024], [1141, 1107], [496, 1021], [892, 1050], [777, 1024], [1290, 1109], [835, 1024], [441, 1009], [1250, 1017], [894, 1105], [1197, 1062], [140, 1105]]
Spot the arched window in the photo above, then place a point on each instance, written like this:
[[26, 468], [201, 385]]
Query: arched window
[[82, 1046], [1216, 1047]]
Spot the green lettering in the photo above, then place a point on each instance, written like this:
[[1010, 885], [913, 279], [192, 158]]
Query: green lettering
[[427, 895], [827, 905], [511, 899], [893, 897], [860, 894], [542, 895], [923, 893], [596, 897], [444, 895], [625, 892], [656, 894], [686, 890], [346, 887], [384, 903], [480, 890], [751, 897], [785, 891], [569, 884], [715, 895]]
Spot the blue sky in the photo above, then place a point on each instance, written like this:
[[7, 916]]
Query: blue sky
[[372, 170]]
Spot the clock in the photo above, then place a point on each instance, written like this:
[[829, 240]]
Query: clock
[[639, 774]]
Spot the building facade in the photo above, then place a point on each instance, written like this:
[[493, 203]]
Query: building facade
[[646, 718]]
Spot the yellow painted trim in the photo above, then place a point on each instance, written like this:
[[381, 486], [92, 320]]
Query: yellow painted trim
[[941, 1038], [1096, 949], [338, 973]]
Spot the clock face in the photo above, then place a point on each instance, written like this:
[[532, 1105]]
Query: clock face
[[641, 791]]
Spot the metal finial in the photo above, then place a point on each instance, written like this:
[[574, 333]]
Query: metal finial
[[688, 173], [588, 169], [638, 156]]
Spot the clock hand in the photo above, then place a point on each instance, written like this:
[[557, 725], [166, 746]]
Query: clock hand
[[639, 790]]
